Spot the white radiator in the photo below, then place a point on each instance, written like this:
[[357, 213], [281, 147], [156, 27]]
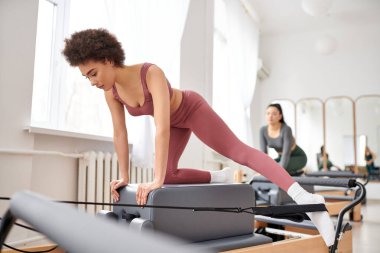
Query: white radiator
[[96, 171]]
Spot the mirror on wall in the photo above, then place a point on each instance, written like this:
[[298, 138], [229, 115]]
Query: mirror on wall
[[367, 110], [309, 129], [339, 131]]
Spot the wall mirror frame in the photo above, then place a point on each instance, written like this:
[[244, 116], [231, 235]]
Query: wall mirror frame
[[309, 132], [367, 109], [339, 132]]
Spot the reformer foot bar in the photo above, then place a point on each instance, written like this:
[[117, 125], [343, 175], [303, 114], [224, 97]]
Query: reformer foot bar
[[334, 182], [334, 174], [343, 194], [338, 174]]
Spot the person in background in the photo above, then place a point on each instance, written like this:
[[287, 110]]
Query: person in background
[[370, 157], [278, 135], [320, 161]]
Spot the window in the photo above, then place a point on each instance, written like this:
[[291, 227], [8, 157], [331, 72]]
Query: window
[[62, 97], [45, 67]]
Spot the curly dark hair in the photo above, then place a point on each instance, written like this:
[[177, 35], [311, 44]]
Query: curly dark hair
[[93, 44]]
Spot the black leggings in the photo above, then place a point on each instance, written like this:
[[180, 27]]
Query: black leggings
[[297, 161]]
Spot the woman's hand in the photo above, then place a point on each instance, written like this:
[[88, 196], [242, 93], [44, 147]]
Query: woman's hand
[[116, 184], [143, 190]]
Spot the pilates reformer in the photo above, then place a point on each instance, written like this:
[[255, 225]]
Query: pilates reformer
[[201, 230], [215, 225]]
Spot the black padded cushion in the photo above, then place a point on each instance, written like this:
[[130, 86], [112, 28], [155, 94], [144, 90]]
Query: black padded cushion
[[187, 224]]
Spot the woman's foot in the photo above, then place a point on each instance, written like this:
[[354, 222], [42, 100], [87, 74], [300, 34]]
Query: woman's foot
[[321, 220], [226, 175]]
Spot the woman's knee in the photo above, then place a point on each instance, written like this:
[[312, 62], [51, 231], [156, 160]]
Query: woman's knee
[[170, 178]]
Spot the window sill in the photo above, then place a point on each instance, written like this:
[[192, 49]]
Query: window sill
[[55, 132]]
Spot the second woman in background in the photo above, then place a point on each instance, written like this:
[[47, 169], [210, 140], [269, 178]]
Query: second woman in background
[[370, 157], [278, 135]]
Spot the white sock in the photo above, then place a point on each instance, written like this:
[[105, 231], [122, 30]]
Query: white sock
[[321, 220], [225, 175]]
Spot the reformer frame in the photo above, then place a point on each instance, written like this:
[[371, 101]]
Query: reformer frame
[[310, 243]]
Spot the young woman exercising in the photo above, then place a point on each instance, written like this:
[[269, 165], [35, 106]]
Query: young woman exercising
[[278, 135], [144, 90]]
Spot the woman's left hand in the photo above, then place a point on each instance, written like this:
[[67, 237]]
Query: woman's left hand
[[143, 190]]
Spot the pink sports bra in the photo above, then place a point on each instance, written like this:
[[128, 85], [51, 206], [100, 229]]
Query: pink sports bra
[[147, 107]]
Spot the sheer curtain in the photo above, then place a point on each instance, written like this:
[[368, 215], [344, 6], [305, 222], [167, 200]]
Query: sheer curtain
[[221, 82], [238, 53], [243, 40], [150, 31]]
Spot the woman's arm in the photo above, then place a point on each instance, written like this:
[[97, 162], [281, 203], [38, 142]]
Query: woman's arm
[[263, 140], [370, 161], [157, 85], [373, 156], [120, 137], [287, 146]]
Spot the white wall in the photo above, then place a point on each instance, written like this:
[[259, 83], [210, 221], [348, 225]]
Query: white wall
[[196, 68], [18, 31], [55, 177], [298, 71]]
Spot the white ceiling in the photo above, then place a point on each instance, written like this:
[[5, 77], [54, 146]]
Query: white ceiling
[[287, 16]]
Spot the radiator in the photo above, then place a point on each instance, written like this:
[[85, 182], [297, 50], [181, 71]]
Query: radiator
[[96, 171]]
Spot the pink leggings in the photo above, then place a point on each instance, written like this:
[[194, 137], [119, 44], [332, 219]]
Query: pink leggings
[[195, 115]]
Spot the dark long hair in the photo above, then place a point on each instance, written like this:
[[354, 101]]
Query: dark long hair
[[278, 107]]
